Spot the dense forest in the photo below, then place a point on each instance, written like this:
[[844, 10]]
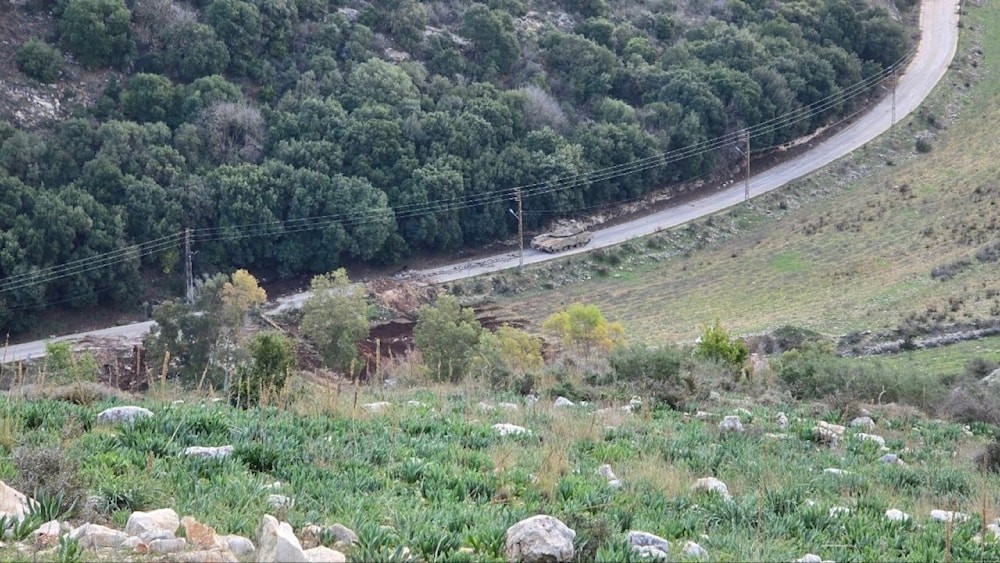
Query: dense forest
[[293, 136]]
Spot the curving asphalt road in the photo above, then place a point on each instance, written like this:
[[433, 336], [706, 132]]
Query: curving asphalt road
[[938, 44]]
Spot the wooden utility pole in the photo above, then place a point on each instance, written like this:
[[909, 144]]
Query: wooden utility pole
[[188, 273], [895, 79], [746, 152], [520, 231]]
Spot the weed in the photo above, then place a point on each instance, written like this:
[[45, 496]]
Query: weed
[[69, 550]]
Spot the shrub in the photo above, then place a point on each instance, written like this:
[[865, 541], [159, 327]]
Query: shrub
[[923, 146], [989, 460], [39, 60], [716, 344], [49, 473], [972, 403], [272, 357]]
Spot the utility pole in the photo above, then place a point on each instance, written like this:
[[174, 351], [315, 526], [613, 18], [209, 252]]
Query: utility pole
[[188, 272], [746, 133], [895, 79], [520, 231]]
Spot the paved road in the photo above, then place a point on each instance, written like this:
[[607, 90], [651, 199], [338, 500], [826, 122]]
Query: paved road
[[938, 43]]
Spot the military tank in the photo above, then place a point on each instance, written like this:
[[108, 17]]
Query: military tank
[[565, 235]]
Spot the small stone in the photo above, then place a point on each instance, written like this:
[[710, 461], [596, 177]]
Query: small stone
[[896, 515], [505, 429], [711, 484], [209, 452], [539, 539], [508, 406], [606, 472], [167, 546], [486, 406], [871, 438], [414, 404], [377, 407], [236, 544], [615, 483], [809, 558], [782, 421], [199, 534], [838, 511], [162, 520], [322, 554], [702, 415], [948, 516], [563, 402], [648, 545], [692, 549], [862, 422], [277, 542], [122, 414], [731, 424], [835, 471], [279, 501]]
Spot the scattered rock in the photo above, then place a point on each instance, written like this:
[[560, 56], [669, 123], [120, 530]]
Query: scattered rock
[[412, 403], [151, 535], [810, 558], [276, 542], [871, 438], [828, 433], [782, 421], [95, 536], [563, 402], [606, 472], [322, 554], [236, 544], [743, 412], [377, 407], [778, 436], [505, 429], [343, 534], [508, 406], [862, 422], [702, 415], [692, 549], [897, 515], [199, 534], [838, 511], [892, 459], [648, 545], [731, 424], [162, 520], [205, 556], [172, 545], [13, 503], [278, 502], [211, 452], [836, 471], [486, 406], [540, 539], [122, 414], [711, 484], [948, 516]]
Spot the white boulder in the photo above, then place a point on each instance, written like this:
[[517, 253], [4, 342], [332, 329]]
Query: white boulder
[[897, 515], [540, 539], [711, 484], [162, 520], [505, 429], [648, 545], [731, 424], [276, 542], [122, 414], [216, 452]]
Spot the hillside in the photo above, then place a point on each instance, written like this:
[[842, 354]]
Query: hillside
[[295, 137]]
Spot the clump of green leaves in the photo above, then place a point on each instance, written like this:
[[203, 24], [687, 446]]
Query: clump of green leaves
[[272, 358], [715, 343], [39, 60]]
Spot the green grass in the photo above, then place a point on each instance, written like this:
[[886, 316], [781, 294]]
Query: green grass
[[849, 248], [435, 479]]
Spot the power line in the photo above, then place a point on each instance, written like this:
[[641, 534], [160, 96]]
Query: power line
[[405, 211]]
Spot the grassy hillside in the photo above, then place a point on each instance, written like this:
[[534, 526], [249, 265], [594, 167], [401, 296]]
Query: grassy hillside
[[851, 248]]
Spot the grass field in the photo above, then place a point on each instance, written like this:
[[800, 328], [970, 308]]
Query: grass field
[[850, 248]]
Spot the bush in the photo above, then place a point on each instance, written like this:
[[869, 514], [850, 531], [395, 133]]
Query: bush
[[39, 60], [654, 371], [716, 344], [923, 146], [989, 460], [272, 357], [51, 473], [972, 403]]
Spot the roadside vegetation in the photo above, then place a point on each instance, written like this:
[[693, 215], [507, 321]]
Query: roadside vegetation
[[294, 138]]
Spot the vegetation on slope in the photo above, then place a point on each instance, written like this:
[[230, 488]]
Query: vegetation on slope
[[292, 137]]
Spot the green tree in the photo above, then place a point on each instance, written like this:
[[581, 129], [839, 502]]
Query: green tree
[[715, 343], [584, 326], [271, 361], [97, 32], [495, 45], [446, 335], [238, 24], [191, 50], [334, 320], [39, 60], [148, 97]]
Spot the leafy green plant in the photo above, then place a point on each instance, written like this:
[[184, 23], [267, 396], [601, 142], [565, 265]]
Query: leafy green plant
[[715, 343], [39, 60], [69, 550]]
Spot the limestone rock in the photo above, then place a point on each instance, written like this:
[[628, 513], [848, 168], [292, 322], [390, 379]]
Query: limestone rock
[[838, 511], [648, 545], [152, 535], [871, 438], [702, 415], [731, 424], [218, 452], [892, 459], [711, 484], [835, 471], [162, 520], [692, 549], [236, 544], [606, 472], [810, 558], [323, 554], [122, 414], [828, 433], [343, 534], [563, 402], [948, 516], [205, 556], [95, 536], [505, 429], [508, 406], [199, 534], [13, 503], [540, 539], [279, 501], [896, 515], [172, 545], [311, 536], [377, 406], [782, 421], [865, 422], [276, 542]]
